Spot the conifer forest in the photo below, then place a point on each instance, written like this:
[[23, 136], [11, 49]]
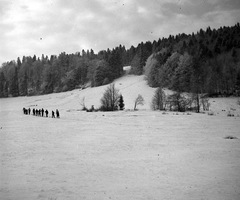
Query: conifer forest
[[204, 62]]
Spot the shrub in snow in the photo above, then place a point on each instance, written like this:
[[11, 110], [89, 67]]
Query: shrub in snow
[[211, 113], [230, 137], [230, 114]]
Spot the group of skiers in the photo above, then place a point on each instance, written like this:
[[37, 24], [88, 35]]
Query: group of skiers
[[40, 112]]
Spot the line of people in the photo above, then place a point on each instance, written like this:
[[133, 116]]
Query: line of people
[[40, 112]]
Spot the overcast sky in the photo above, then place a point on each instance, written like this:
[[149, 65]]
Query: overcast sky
[[29, 27]]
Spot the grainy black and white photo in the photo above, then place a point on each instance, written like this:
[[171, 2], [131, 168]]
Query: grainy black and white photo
[[119, 99]]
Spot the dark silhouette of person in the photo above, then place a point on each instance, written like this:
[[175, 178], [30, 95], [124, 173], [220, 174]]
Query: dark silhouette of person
[[29, 111], [53, 114], [42, 112], [33, 111], [46, 112], [57, 114], [24, 111]]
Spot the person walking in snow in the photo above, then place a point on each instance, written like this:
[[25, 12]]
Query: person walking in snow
[[53, 114], [57, 114], [29, 111], [42, 112], [46, 112], [33, 111]]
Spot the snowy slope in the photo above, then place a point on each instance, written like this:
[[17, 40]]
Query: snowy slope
[[117, 155], [129, 86]]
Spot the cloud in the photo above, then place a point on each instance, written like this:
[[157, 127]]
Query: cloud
[[101, 24]]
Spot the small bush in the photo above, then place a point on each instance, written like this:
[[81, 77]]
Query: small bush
[[84, 109], [230, 114], [211, 113], [230, 137]]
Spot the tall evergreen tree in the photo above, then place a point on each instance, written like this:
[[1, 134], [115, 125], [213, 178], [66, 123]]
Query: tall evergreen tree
[[2, 83], [24, 85], [19, 62], [115, 63], [121, 103], [6, 88], [13, 88]]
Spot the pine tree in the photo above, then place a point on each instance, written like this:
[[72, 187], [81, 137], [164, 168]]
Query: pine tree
[[121, 103], [238, 83], [14, 91], [115, 63], [24, 85], [6, 85], [102, 72], [19, 62], [2, 82]]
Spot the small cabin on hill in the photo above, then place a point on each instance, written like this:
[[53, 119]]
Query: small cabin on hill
[[127, 69]]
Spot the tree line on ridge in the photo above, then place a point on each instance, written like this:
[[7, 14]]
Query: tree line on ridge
[[203, 62]]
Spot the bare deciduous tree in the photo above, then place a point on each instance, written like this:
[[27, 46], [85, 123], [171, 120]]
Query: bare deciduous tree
[[177, 101], [205, 103], [159, 100], [109, 101], [82, 103], [138, 101]]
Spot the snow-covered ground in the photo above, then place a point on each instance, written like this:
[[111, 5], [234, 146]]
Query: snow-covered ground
[[122, 155]]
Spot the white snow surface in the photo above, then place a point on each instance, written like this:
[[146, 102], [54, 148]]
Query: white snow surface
[[121, 155]]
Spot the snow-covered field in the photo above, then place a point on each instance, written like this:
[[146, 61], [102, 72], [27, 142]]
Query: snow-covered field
[[117, 155]]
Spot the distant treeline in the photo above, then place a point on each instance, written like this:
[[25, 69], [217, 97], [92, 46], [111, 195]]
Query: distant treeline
[[203, 62]]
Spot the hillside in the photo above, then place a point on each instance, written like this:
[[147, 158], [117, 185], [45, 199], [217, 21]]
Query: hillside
[[117, 155], [129, 86]]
